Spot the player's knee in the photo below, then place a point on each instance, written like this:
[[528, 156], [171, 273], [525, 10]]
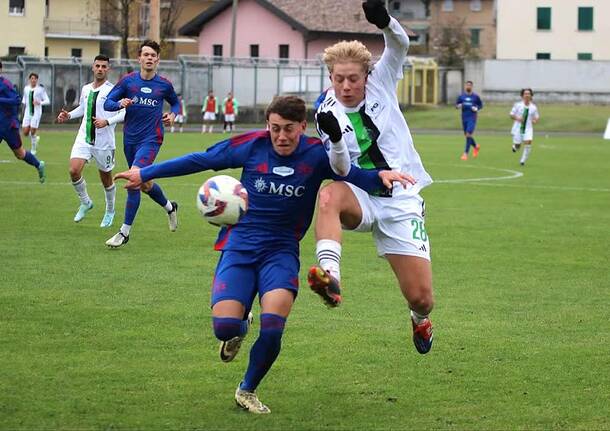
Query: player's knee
[[329, 198], [422, 301], [226, 328]]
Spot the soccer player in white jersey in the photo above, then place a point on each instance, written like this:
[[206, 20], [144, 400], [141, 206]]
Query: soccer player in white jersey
[[95, 139], [363, 99], [525, 114], [34, 98]]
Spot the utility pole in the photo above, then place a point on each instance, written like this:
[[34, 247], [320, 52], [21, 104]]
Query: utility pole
[[233, 27], [233, 31], [154, 31]]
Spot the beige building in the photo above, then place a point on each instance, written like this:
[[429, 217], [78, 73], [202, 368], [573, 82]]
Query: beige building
[[554, 29], [53, 28], [22, 27], [476, 18], [72, 29]]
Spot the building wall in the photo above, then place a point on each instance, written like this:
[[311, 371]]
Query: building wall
[[485, 20], [23, 31], [255, 25], [63, 47], [518, 37]]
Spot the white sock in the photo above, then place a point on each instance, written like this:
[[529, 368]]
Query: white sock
[[80, 186], [171, 129], [34, 142], [526, 153], [328, 253], [110, 198], [168, 206], [418, 318], [203, 129], [210, 128], [125, 229]]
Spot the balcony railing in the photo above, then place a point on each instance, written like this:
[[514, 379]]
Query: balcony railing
[[73, 27]]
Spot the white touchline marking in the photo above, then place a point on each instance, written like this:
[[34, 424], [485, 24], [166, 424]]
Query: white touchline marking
[[513, 175]]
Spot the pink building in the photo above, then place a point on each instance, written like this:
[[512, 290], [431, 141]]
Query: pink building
[[293, 29]]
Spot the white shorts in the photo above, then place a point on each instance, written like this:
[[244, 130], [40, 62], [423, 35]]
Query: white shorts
[[179, 119], [209, 116], [230, 118], [104, 158], [397, 223], [31, 120], [519, 137]]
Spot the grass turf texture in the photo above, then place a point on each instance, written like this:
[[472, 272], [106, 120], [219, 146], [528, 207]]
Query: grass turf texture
[[553, 117], [94, 338]]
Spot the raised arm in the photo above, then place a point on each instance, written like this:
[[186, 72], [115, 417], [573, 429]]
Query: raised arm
[[330, 131], [395, 38], [116, 95]]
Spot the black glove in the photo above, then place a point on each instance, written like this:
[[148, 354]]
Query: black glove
[[376, 13], [328, 124]]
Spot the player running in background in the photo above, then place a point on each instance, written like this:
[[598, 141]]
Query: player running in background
[[181, 117], [282, 172], [209, 109], [230, 109], [34, 97], [142, 94], [525, 114], [470, 103], [363, 98], [95, 139], [9, 125]]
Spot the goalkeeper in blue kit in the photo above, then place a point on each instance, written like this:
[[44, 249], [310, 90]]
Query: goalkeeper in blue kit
[[282, 172]]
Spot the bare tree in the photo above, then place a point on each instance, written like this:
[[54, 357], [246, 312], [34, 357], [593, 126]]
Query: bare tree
[[427, 6], [116, 20], [169, 19], [451, 44]]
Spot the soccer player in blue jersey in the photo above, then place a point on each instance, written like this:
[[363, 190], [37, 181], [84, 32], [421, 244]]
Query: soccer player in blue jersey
[[9, 125], [142, 94], [470, 103], [282, 172]]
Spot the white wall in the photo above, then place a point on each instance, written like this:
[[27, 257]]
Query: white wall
[[518, 37]]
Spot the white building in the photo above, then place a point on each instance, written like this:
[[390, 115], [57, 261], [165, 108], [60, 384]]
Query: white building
[[553, 29]]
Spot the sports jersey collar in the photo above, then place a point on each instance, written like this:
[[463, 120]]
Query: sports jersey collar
[[355, 108]]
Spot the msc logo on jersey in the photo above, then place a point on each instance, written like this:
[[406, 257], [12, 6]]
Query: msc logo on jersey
[[281, 189], [144, 101], [146, 90]]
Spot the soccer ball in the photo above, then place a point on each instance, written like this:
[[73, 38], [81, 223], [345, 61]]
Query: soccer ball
[[222, 200]]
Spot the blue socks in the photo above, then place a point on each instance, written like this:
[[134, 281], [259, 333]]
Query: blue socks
[[226, 328], [31, 159], [265, 350], [469, 143], [132, 205], [156, 194]]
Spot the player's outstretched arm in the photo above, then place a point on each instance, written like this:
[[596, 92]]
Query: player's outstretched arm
[[388, 178], [328, 126], [133, 177], [396, 42]]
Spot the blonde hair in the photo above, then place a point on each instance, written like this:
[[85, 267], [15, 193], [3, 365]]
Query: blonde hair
[[344, 51]]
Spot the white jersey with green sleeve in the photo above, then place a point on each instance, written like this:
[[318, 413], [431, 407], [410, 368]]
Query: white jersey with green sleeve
[[32, 94], [91, 106], [528, 113], [375, 132]]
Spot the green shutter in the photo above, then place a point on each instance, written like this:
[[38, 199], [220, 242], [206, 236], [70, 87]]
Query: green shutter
[[544, 18], [585, 18], [475, 37], [543, 56], [585, 56]]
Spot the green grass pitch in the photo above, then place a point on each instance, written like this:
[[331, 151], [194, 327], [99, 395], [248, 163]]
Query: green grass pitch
[[92, 338]]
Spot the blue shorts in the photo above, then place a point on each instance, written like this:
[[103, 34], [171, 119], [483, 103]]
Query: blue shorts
[[141, 155], [240, 275], [12, 137], [469, 125]]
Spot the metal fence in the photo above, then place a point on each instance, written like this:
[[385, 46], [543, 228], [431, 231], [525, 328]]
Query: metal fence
[[253, 81]]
